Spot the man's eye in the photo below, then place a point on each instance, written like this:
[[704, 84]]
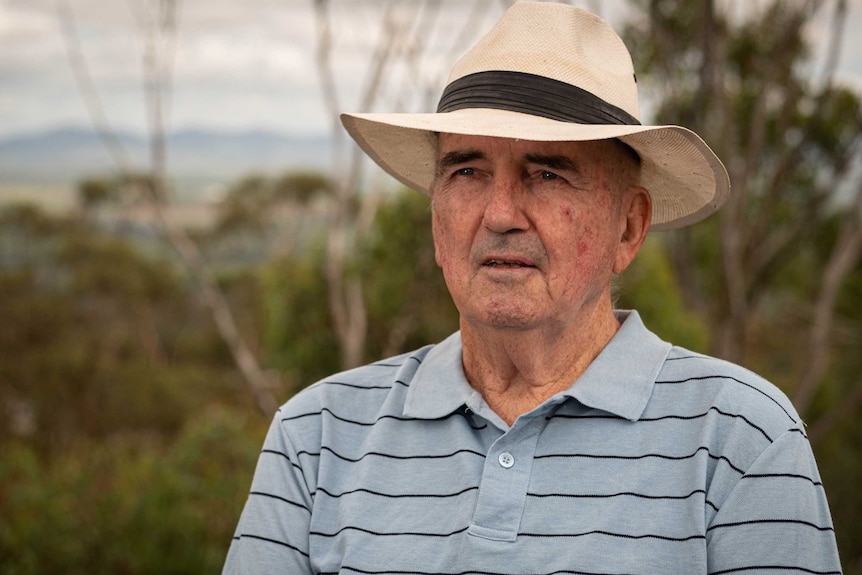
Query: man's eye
[[546, 175], [466, 172]]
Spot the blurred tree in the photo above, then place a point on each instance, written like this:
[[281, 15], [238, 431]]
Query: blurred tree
[[408, 303], [118, 453], [772, 273], [299, 336], [745, 84], [302, 187], [649, 286], [129, 506], [95, 192], [158, 26], [406, 299], [274, 214], [97, 337]]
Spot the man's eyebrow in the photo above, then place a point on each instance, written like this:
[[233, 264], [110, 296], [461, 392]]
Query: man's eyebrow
[[456, 158], [554, 162]]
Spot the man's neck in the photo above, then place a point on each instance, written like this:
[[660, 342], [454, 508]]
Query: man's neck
[[516, 370]]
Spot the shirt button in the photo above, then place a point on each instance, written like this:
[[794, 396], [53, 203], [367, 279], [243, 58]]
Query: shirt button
[[506, 460]]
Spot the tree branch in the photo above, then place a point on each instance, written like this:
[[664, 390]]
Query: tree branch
[[87, 89], [843, 259], [156, 79]]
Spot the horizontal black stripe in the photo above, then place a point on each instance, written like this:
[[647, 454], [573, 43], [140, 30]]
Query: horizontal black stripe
[[470, 572], [278, 497], [393, 534], [693, 356], [384, 362], [570, 572], [720, 412], [774, 568], [275, 541], [381, 418], [400, 495], [643, 456], [351, 385], [534, 535], [611, 495], [770, 521], [390, 455], [284, 455], [669, 416], [612, 534], [785, 475], [534, 495], [745, 383], [346, 420]]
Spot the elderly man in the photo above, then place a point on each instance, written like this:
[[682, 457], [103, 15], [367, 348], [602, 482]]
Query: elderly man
[[551, 434]]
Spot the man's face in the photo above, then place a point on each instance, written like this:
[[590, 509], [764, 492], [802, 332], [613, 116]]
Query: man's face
[[527, 233]]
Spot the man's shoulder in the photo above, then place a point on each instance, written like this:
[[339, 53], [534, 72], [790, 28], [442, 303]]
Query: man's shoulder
[[367, 384], [726, 388]]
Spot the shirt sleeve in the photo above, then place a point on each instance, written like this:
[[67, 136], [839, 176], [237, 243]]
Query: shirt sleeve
[[776, 519], [273, 532]]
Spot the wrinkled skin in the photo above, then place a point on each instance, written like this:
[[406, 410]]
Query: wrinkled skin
[[529, 235]]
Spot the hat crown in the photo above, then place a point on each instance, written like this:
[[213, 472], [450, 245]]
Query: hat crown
[[561, 42]]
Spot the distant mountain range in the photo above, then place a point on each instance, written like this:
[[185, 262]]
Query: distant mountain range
[[66, 155]]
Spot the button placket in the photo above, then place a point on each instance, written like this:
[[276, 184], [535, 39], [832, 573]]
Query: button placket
[[505, 479]]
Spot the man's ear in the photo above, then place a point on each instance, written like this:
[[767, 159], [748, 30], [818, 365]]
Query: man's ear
[[635, 217]]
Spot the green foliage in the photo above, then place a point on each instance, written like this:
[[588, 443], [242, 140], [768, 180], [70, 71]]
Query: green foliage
[[408, 303], [131, 505], [246, 205], [302, 187], [298, 335], [94, 334], [94, 192], [650, 287], [252, 204]]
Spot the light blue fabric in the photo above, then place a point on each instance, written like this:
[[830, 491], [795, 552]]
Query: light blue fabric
[[656, 460]]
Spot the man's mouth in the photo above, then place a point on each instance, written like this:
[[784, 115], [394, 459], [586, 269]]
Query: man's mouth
[[492, 263]]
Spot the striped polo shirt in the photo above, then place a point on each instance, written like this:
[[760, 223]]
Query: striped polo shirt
[[656, 460]]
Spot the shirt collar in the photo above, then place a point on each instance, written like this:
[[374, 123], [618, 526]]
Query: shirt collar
[[619, 380], [439, 386]]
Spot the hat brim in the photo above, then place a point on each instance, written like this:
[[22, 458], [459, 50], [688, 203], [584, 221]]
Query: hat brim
[[686, 180]]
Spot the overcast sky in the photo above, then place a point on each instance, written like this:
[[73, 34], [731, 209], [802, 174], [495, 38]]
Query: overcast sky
[[241, 64]]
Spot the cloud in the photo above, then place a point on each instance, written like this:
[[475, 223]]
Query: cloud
[[244, 64], [233, 61]]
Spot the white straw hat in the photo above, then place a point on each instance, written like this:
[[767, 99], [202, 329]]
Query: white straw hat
[[551, 72]]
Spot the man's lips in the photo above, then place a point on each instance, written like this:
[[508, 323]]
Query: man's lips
[[506, 263]]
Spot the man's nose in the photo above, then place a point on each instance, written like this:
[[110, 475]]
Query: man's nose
[[504, 211]]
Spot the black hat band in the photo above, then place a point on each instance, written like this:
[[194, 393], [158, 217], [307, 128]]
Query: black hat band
[[531, 94]]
